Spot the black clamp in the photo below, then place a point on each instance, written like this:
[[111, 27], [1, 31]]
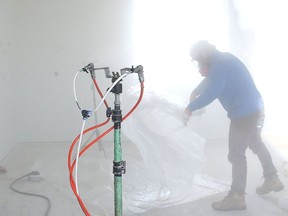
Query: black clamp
[[119, 168], [117, 116], [117, 89], [108, 112], [86, 114]]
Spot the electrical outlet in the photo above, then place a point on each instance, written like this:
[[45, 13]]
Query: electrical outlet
[[35, 177]]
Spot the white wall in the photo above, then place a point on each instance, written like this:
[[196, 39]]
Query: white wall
[[54, 40], [7, 78], [42, 45]]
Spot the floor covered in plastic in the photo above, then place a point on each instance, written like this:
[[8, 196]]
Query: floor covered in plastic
[[209, 184]]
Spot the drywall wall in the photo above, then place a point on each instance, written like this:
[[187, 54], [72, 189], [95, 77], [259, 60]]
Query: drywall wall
[[7, 79], [54, 40]]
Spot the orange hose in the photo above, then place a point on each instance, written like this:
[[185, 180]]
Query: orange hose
[[71, 166]]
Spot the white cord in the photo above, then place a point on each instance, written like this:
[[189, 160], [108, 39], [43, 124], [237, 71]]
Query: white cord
[[77, 156], [109, 90], [74, 88]]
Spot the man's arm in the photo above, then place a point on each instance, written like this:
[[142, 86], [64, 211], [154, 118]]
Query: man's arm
[[198, 90]]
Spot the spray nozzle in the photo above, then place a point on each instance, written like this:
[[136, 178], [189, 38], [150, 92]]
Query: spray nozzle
[[91, 69], [139, 70], [88, 68]]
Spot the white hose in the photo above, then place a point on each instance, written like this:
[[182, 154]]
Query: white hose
[[77, 156], [74, 89]]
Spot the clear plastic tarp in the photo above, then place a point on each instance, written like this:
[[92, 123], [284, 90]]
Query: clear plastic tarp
[[163, 159], [169, 156]]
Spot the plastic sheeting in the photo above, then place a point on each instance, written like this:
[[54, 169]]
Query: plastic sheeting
[[170, 156], [163, 156], [163, 161], [170, 152]]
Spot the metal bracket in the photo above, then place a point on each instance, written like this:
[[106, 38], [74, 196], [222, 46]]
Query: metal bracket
[[119, 168]]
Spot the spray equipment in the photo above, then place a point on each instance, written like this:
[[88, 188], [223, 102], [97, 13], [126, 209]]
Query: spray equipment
[[138, 70], [119, 166]]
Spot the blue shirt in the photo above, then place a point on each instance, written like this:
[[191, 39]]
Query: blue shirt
[[230, 82]]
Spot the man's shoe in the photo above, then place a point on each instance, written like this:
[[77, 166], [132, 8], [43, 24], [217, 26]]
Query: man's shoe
[[233, 201], [272, 183]]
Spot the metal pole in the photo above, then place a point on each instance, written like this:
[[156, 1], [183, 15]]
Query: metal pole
[[117, 178], [119, 166]]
